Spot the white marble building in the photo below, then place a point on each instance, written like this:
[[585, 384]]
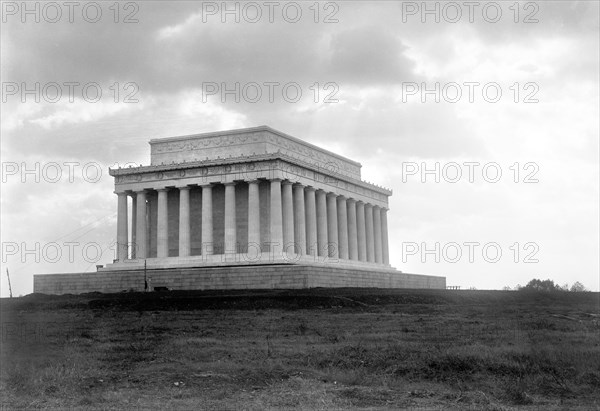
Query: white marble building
[[251, 208], [249, 196]]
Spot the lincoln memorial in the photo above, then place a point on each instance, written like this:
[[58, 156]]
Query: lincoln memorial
[[248, 208]]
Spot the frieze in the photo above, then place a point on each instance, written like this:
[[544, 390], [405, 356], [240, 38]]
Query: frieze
[[128, 178], [201, 143], [265, 168], [317, 156]]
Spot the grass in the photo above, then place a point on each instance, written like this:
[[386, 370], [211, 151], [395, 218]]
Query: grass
[[311, 349]]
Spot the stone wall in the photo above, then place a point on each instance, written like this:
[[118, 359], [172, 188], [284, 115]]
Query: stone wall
[[214, 278]]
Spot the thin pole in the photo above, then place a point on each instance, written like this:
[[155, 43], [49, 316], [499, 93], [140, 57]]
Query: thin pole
[[9, 287]]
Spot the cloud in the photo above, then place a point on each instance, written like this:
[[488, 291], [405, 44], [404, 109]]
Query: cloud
[[369, 56], [366, 56]]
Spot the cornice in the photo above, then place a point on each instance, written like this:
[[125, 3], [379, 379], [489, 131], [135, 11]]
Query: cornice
[[130, 171]]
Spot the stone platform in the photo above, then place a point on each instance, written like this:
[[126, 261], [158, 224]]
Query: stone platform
[[291, 276]]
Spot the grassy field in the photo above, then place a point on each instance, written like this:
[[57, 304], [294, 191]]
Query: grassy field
[[311, 349]]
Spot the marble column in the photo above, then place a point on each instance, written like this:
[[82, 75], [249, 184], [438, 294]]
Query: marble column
[[207, 220], [332, 226], [184, 221], [162, 226], [276, 215], [132, 249], [369, 231], [141, 228], [122, 222], [299, 220], [253, 215], [361, 231], [321, 202], [384, 237], [352, 233], [342, 218], [230, 223], [311, 221], [287, 204], [377, 234]]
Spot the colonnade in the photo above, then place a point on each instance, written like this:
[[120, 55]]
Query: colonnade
[[304, 219]]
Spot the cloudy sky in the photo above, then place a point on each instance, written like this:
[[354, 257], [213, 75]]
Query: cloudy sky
[[499, 103]]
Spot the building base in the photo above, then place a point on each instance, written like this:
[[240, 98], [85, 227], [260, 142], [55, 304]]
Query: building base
[[290, 276]]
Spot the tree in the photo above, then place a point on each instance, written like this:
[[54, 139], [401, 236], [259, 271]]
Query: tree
[[539, 285], [577, 287]]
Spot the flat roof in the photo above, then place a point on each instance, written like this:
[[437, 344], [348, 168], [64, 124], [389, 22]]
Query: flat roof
[[251, 130]]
